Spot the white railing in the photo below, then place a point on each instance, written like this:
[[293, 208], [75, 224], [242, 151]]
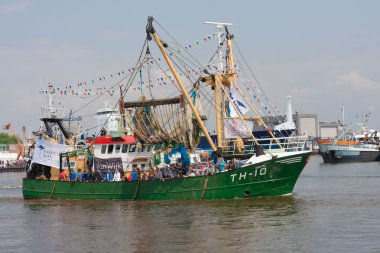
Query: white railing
[[270, 145]]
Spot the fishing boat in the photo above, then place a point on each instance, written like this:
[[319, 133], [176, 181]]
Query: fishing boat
[[362, 152], [351, 147], [176, 123]]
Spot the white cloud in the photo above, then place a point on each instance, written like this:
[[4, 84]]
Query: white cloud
[[14, 6], [354, 82], [302, 92]]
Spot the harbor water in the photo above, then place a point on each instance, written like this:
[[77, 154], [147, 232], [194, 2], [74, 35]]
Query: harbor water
[[334, 208]]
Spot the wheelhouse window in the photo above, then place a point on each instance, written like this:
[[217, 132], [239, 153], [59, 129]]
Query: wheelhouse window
[[103, 150], [132, 148], [117, 149], [124, 149], [110, 149], [72, 165]]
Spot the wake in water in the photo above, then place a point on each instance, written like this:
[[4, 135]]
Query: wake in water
[[10, 187]]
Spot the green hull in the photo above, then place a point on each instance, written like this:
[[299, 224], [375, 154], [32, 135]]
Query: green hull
[[270, 178]]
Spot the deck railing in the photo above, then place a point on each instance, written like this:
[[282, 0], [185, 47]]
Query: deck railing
[[270, 145]]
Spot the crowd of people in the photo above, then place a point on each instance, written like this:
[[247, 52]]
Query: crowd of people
[[165, 172], [177, 170]]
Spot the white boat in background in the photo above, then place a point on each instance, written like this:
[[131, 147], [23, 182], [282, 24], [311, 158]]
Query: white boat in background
[[7, 157], [350, 147], [109, 120]]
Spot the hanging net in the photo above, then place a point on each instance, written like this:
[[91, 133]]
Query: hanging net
[[164, 121]]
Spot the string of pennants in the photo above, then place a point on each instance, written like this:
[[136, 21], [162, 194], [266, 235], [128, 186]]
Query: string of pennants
[[87, 91], [70, 91], [261, 99], [202, 41], [87, 88], [84, 89], [138, 86]]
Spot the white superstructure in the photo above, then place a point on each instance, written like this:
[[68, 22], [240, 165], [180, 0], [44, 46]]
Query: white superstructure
[[109, 119], [289, 124]]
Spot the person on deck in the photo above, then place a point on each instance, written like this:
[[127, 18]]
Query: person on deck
[[86, 176], [134, 175], [191, 171], [201, 167], [144, 176], [239, 145], [79, 176], [164, 172], [170, 173], [222, 164], [116, 176], [109, 176], [62, 176], [158, 174], [151, 174], [72, 175]]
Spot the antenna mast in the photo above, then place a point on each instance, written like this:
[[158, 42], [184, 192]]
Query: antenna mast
[[219, 26], [51, 111]]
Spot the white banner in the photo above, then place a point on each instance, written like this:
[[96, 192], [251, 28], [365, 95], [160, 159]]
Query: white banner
[[238, 107], [47, 153], [235, 128]]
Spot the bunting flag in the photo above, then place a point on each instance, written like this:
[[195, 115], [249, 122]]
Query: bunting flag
[[202, 41]]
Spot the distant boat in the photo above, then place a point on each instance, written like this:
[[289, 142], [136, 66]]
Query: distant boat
[[7, 157], [361, 152], [323, 145], [351, 147]]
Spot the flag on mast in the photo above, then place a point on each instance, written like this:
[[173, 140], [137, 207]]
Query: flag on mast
[[7, 126], [237, 105]]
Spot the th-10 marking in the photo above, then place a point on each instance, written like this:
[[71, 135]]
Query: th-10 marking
[[259, 170]]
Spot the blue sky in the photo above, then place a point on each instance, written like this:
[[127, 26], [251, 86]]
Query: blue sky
[[324, 53]]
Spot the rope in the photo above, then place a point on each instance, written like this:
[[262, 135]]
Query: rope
[[51, 194], [250, 70], [204, 188], [137, 190], [178, 44]]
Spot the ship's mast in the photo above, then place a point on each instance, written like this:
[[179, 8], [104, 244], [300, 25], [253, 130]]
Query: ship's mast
[[343, 116], [51, 111], [122, 111], [219, 26], [150, 31], [227, 78], [218, 95]]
